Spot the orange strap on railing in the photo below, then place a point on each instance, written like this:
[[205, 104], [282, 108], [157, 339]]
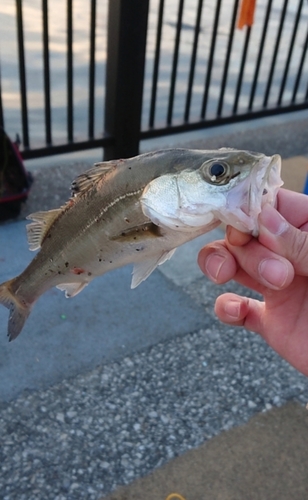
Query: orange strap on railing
[[247, 11]]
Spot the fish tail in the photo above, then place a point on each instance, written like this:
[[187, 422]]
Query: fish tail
[[19, 309]]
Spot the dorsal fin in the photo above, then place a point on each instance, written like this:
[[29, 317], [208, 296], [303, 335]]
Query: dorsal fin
[[88, 178], [37, 230]]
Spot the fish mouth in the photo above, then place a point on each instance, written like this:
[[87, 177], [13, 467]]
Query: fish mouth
[[248, 198], [265, 183]]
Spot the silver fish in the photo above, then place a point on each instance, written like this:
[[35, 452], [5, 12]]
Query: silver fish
[[138, 211]]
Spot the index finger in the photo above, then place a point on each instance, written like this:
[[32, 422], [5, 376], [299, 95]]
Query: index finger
[[293, 207]]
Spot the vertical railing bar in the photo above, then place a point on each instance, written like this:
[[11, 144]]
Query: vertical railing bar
[[259, 58], [275, 54], [125, 68], [1, 105], [300, 69], [306, 96], [210, 61], [227, 60], [286, 69], [193, 61], [22, 75], [156, 63], [92, 70], [70, 70], [46, 73], [241, 73], [175, 62]]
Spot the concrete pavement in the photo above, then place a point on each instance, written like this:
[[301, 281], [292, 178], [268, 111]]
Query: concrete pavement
[[265, 459]]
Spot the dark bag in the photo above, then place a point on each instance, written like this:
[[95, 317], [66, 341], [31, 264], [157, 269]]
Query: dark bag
[[15, 181]]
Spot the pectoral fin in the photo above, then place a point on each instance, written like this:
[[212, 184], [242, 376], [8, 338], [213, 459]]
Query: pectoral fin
[[142, 270]]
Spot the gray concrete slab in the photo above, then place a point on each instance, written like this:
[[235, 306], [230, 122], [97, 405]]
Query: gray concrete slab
[[63, 337], [265, 459]]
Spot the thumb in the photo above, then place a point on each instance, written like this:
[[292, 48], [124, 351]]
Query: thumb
[[241, 311], [277, 234]]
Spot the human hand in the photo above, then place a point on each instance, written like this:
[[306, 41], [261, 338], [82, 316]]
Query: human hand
[[275, 265]]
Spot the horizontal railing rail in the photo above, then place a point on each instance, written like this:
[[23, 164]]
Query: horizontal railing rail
[[139, 69]]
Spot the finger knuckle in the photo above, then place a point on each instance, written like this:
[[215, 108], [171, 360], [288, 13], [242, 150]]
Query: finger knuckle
[[299, 248]]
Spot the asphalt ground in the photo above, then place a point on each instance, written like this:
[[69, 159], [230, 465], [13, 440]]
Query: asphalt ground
[[146, 388]]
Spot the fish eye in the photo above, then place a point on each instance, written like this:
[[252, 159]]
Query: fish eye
[[217, 170]]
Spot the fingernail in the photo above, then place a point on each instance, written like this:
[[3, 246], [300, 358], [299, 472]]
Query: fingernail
[[274, 271], [232, 308], [213, 265], [272, 220]]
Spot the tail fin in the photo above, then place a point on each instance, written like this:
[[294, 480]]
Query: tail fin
[[19, 311]]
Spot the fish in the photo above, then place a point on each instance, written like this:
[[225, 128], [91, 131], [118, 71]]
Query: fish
[[138, 211]]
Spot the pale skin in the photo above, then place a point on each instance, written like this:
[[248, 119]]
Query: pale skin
[[275, 265]]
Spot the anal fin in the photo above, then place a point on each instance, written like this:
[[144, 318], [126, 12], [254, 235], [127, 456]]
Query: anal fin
[[72, 289]]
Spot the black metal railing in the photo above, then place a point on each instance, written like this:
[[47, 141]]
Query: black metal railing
[[250, 96], [22, 74], [46, 66], [171, 66]]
